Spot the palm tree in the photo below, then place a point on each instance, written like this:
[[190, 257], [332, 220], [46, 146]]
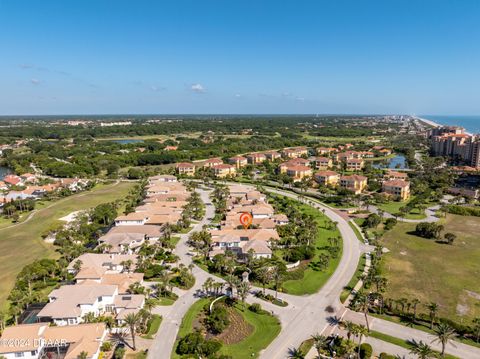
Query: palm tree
[[242, 291], [363, 301], [415, 302], [132, 320], [320, 342], [295, 353], [83, 355], [349, 327], [443, 333], [433, 309], [422, 350], [361, 331]]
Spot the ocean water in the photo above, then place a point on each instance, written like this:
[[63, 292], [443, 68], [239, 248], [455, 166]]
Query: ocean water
[[470, 123]]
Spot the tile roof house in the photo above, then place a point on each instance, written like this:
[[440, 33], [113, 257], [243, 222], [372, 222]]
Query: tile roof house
[[354, 164], [298, 172], [322, 163], [256, 158], [12, 180], [327, 178], [70, 303], [185, 168], [272, 155], [294, 152], [212, 162], [397, 188], [242, 241], [354, 183], [224, 170], [238, 161], [39, 340]]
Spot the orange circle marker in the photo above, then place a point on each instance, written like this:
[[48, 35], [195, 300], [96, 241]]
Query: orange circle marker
[[246, 219]]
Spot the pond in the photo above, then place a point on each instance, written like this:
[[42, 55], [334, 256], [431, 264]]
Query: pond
[[127, 141], [399, 161], [4, 171]]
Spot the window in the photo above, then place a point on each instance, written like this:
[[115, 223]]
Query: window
[[33, 353], [19, 355]]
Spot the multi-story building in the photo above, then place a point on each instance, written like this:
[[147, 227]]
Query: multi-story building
[[354, 183], [294, 152], [224, 170], [238, 161], [327, 178], [298, 172], [322, 163], [185, 168], [454, 143], [256, 158], [354, 164], [272, 155], [397, 188]]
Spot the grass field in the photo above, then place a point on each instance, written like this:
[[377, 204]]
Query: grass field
[[313, 280], [266, 328], [22, 243], [393, 207], [433, 272], [400, 342]]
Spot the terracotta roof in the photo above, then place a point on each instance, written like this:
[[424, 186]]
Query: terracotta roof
[[396, 183], [326, 173], [354, 178], [185, 165]]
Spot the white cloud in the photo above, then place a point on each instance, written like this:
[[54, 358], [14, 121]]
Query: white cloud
[[35, 81], [237, 95], [198, 88]]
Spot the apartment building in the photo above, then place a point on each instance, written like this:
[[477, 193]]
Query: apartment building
[[354, 183], [397, 188], [238, 161], [224, 170], [185, 168], [327, 178]]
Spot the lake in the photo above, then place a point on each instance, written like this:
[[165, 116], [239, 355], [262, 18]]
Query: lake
[[127, 141], [399, 161]]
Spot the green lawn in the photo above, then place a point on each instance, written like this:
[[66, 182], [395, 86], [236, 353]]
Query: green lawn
[[22, 243], [313, 280], [393, 207], [400, 342], [153, 326], [432, 272], [266, 328], [355, 229]]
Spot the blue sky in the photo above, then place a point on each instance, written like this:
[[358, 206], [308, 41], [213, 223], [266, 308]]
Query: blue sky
[[248, 56]]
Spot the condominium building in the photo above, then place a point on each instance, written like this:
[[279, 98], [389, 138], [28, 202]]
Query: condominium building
[[397, 188]]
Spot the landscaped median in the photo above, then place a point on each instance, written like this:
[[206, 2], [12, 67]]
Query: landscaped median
[[231, 328]]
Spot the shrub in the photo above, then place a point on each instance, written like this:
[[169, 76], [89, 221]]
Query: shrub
[[217, 320], [106, 347], [255, 307], [385, 356], [119, 353], [366, 351]]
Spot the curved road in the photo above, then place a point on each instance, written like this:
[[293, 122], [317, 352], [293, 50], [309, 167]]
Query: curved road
[[305, 315]]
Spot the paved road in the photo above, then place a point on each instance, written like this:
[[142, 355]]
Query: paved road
[[430, 215], [172, 315], [314, 311], [305, 315]]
